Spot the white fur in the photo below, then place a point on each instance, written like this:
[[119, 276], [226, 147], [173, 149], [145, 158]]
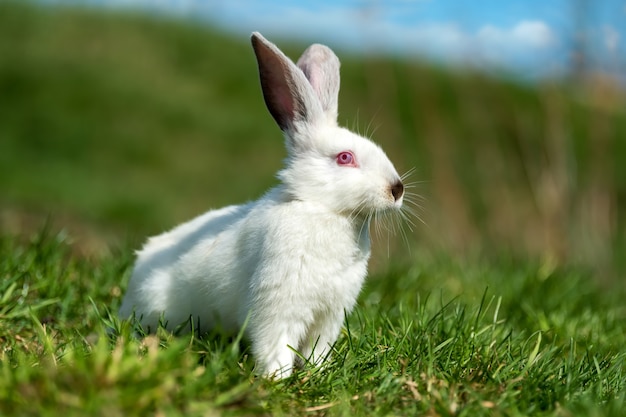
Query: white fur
[[292, 263]]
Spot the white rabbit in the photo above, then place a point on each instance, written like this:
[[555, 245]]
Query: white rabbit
[[290, 265]]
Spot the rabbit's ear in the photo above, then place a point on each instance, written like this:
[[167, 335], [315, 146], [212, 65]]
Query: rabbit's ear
[[288, 94], [321, 67]]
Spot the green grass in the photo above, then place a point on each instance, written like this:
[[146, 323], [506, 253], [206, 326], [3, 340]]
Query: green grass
[[437, 338], [116, 126]]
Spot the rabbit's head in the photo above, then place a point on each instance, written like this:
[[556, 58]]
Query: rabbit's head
[[326, 164]]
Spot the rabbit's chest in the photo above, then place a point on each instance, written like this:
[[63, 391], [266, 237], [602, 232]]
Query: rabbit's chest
[[311, 259], [340, 287], [317, 264]]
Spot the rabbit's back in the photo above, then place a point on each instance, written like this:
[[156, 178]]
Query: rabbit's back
[[183, 271], [264, 255]]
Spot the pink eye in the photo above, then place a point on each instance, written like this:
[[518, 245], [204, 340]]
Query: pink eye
[[346, 158]]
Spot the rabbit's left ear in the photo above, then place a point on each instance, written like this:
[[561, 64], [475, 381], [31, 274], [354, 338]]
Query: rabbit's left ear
[[288, 94], [320, 65]]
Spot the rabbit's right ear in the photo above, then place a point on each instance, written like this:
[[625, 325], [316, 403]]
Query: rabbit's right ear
[[320, 65], [288, 94]]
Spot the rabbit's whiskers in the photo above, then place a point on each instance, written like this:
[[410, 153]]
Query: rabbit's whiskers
[[390, 222]]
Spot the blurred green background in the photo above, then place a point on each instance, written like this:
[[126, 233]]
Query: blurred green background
[[116, 126]]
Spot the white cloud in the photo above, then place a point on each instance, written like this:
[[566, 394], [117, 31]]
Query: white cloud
[[611, 38], [526, 45], [533, 33], [524, 34], [520, 45]]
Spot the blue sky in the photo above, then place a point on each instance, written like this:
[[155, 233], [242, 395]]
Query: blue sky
[[532, 38]]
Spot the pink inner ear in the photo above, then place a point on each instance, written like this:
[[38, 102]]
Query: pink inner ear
[[286, 103], [279, 90], [313, 76]]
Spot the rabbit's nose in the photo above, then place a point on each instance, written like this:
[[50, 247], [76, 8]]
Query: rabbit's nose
[[397, 190]]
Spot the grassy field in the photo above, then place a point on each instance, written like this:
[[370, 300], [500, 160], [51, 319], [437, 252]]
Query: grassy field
[[439, 337], [509, 301]]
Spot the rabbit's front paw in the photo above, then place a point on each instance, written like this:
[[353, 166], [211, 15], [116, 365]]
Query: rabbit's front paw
[[281, 366]]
